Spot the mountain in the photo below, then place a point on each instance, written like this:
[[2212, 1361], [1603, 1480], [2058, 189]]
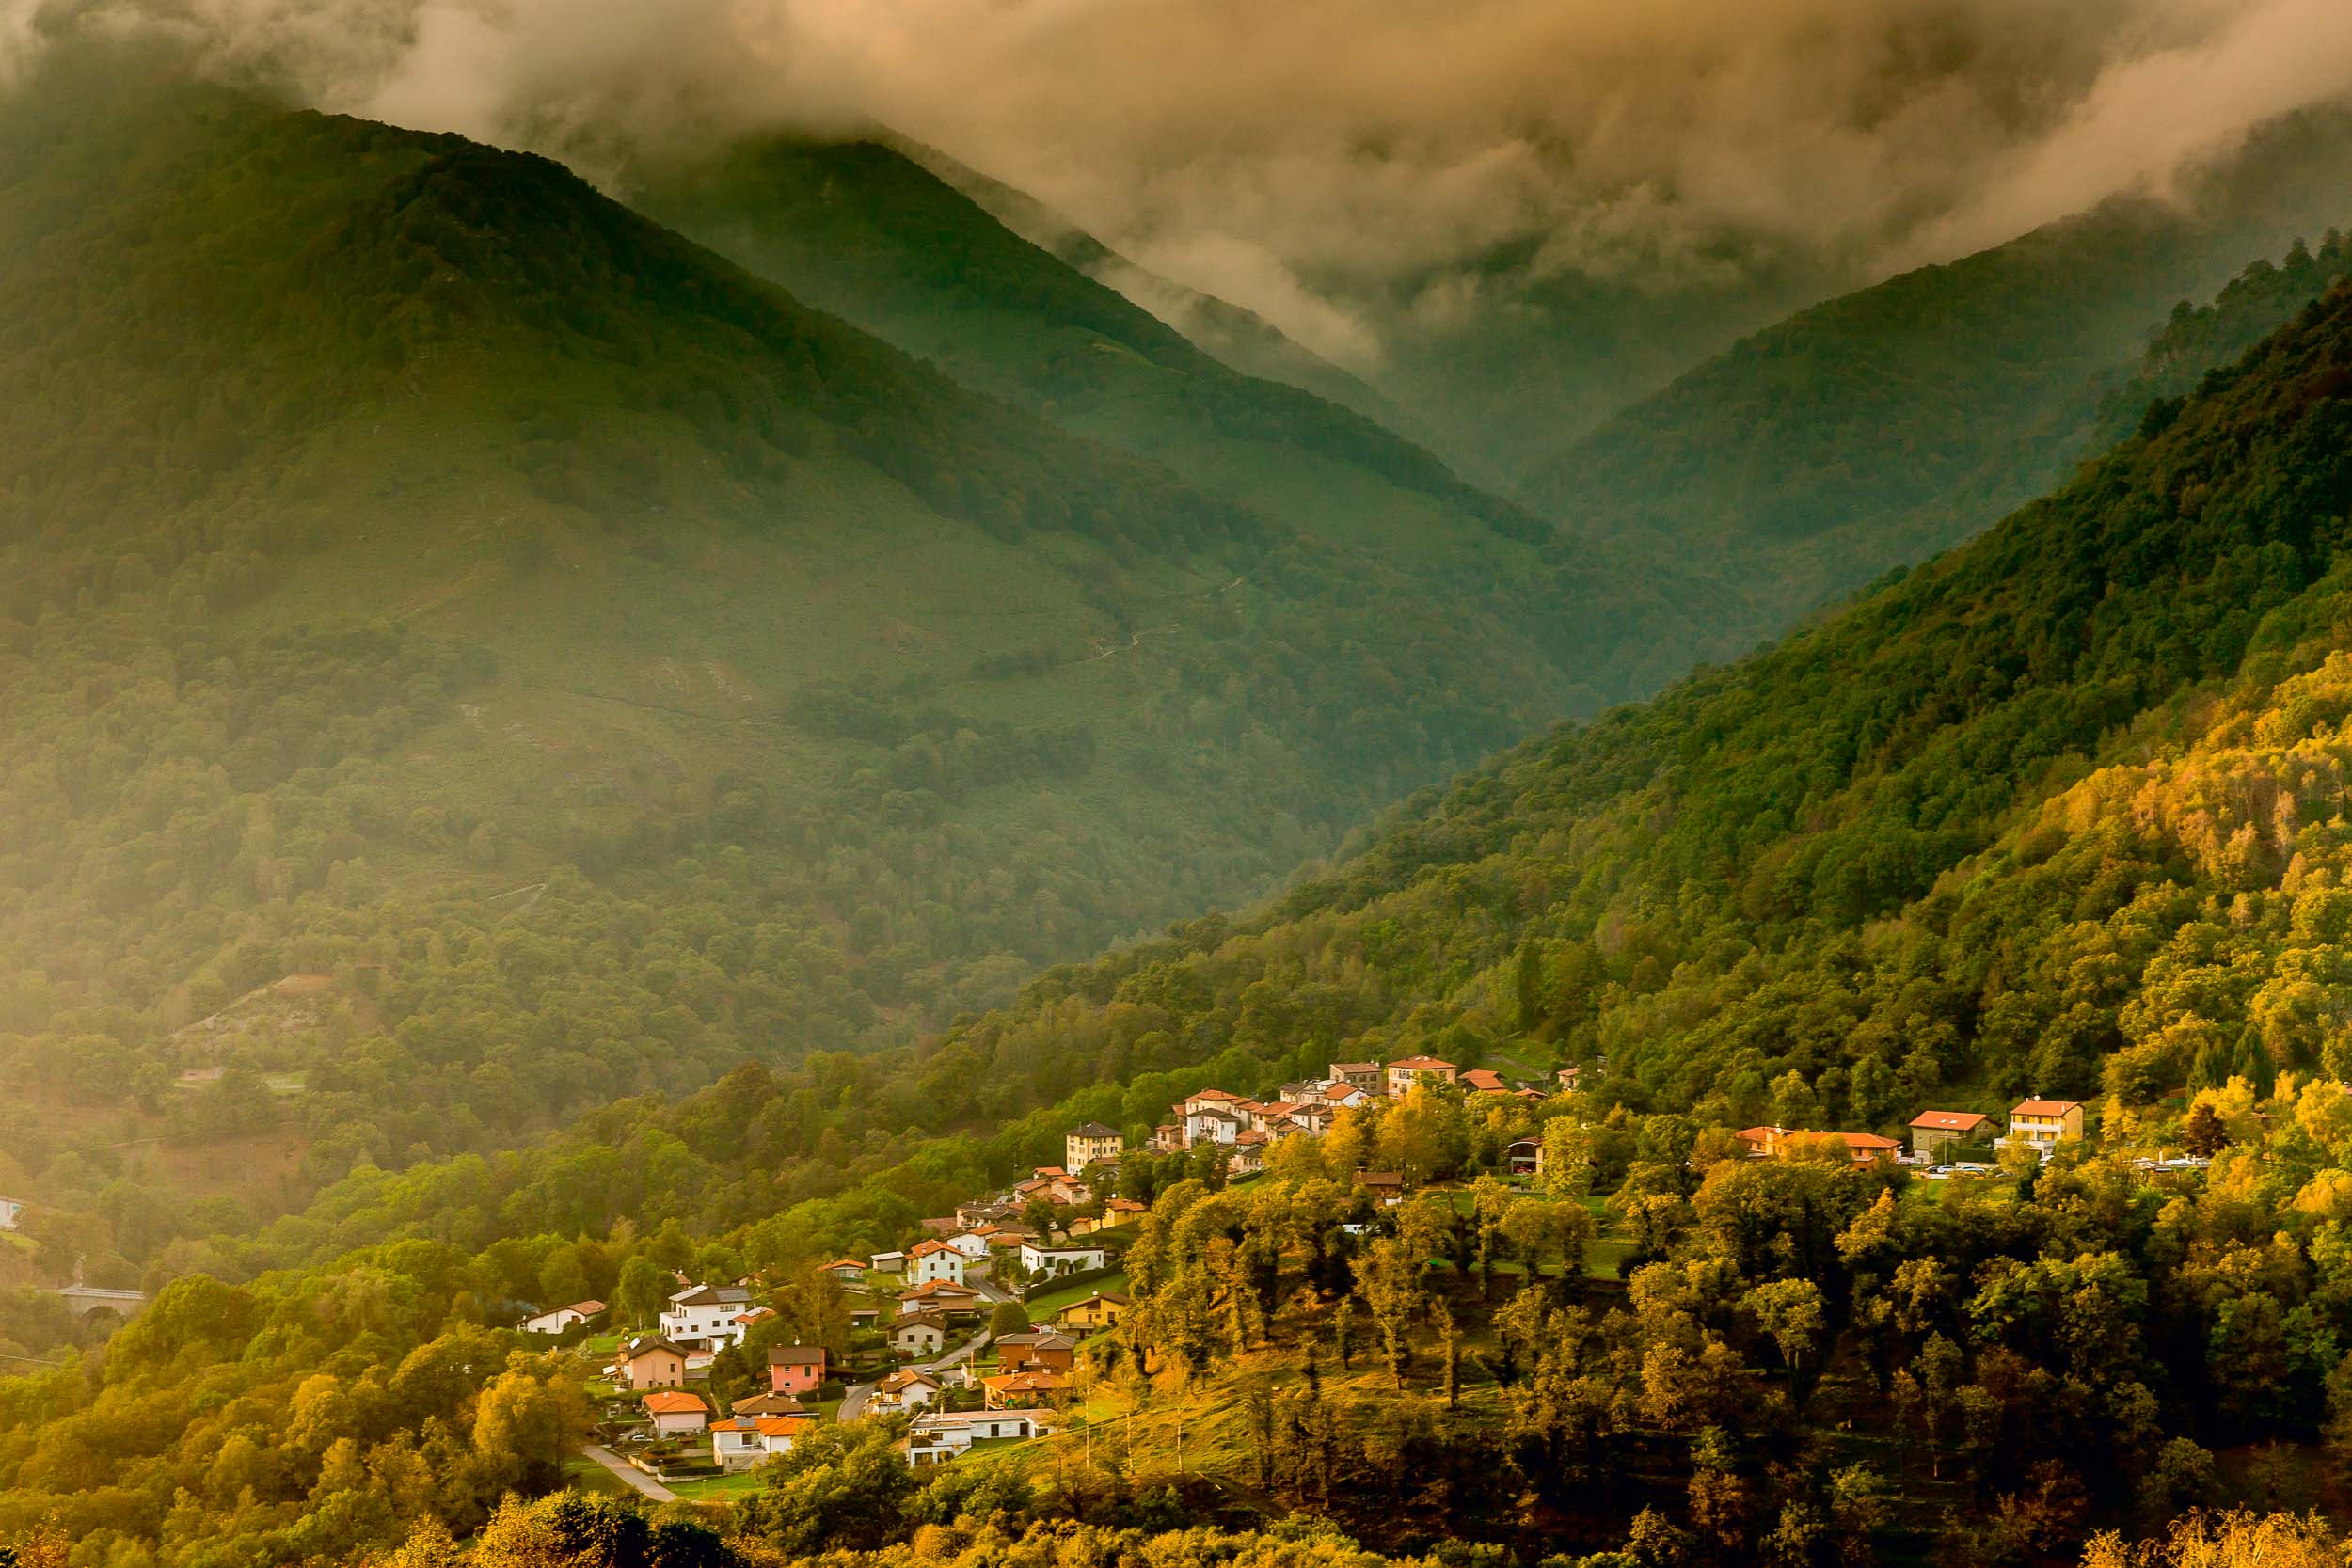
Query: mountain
[[419, 571], [865, 230], [1241, 337], [1520, 363], [1494, 366], [2003, 826], [2199, 339], [2061, 812], [1881, 426]]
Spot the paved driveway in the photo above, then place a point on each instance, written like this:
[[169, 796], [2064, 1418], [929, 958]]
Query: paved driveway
[[629, 1473]]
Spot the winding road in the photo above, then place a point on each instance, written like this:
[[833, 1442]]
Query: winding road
[[853, 1402]]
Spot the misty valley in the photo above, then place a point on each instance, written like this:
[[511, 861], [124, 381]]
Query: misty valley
[[1094, 786]]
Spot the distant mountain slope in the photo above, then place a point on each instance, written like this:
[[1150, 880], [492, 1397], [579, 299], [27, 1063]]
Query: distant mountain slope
[[1242, 338], [418, 569], [1494, 369], [1885, 426], [1526, 361], [2061, 812], [864, 230], [2199, 339]]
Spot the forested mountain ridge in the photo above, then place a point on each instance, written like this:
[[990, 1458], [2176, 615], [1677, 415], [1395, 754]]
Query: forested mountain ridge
[[1240, 338], [2197, 339], [2057, 813], [864, 230], [1878, 427], [2000, 826], [419, 571], [2061, 811]]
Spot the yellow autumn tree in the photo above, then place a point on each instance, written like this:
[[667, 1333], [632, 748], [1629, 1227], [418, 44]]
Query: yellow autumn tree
[[2238, 1539]]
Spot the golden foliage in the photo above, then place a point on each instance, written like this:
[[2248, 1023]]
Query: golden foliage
[[2238, 1539]]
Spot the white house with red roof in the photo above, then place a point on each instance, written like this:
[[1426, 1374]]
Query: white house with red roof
[[936, 1262], [904, 1390], [1200, 1100], [1213, 1124], [559, 1318], [676, 1413], [740, 1442]]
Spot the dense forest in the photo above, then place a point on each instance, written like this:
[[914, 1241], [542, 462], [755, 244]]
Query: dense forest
[[1801, 1362], [2200, 337], [423, 578], [496, 821], [2059, 811], [2050, 815]]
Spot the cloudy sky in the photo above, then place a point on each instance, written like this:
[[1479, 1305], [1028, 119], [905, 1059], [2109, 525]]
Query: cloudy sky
[[1313, 157]]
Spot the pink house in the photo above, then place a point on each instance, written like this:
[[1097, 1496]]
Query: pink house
[[796, 1370]]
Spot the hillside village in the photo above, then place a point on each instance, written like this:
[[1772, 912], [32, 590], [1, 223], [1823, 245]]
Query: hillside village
[[991, 1321]]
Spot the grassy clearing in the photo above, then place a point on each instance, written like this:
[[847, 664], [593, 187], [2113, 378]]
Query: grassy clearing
[[734, 1484], [582, 1474], [1042, 1309]]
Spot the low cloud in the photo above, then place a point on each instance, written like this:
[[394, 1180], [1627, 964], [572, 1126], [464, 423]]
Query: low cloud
[[1348, 167]]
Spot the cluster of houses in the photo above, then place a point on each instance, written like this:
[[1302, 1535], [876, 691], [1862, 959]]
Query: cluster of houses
[[2034, 1123], [756, 1428], [1246, 1128], [1035, 1370], [937, 1305]]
